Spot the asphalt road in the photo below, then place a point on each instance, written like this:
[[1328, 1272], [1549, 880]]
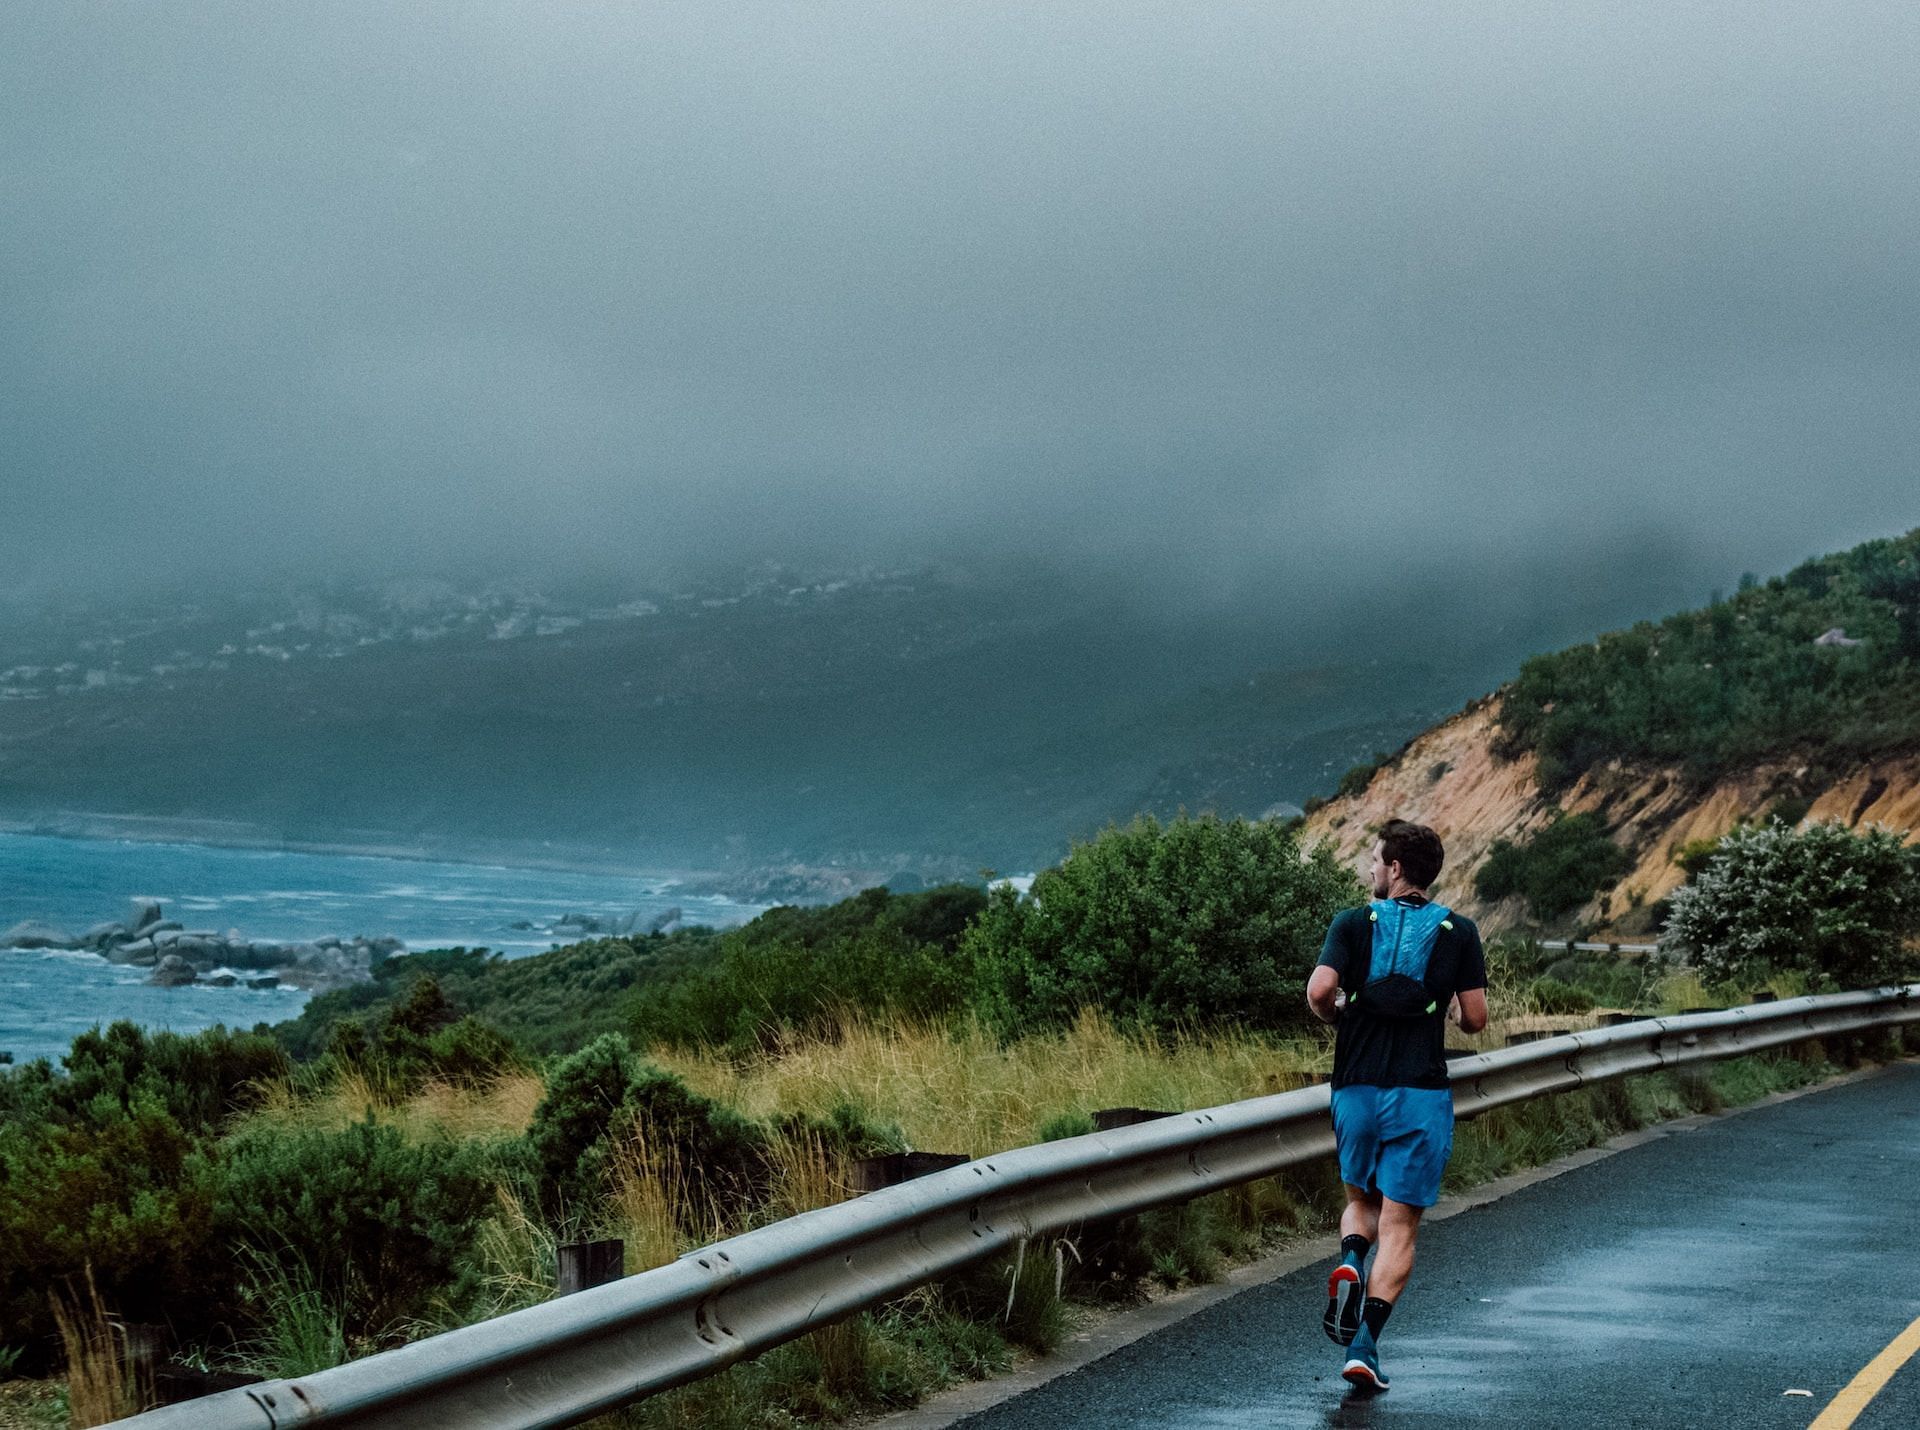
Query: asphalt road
[[1686, 1282]]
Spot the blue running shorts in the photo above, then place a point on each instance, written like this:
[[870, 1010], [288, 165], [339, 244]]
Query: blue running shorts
[[1394, 1140]]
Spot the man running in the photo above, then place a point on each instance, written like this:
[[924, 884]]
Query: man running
[[1389, 977]]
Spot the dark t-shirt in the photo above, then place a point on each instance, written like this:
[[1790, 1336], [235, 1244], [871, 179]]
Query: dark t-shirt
[[1373, 1051]]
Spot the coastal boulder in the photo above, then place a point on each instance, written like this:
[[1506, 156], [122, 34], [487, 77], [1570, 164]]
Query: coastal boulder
[[106, 934], [31, 933], [139, 953], [173, 971], [142, 914], [200, 952], [242, 954]]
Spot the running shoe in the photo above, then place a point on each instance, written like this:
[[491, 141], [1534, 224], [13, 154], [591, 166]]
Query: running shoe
[[1345, 1296], [1362, 1370]]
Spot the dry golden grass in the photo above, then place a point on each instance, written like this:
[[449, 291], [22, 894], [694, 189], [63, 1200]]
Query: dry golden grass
[[440, 1108], [516, 1251], [101, 1386], [961, 1091], [654, 1206]]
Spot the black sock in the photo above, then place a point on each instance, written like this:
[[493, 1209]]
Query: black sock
[[1357, 1244], [1375, 1314]]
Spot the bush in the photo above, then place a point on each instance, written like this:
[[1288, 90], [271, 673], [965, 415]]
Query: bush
[[601, 1096], [1550, 995], [756, 994], [1167, 926], [795, 970], [375, 1224], [102, 1168], [1358, 777], [1557, 870], [1825, 902], [120, 1191], [420, 1037], [200, 1079]]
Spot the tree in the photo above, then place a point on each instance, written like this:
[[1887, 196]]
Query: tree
[[1198, 921], [1826, 901]]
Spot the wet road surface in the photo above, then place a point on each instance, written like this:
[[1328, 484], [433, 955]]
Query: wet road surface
[[1687, 1282]]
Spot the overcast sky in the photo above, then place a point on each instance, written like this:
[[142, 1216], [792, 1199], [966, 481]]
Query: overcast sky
[[1247, 302]]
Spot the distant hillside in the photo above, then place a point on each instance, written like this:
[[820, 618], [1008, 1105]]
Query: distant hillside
[[790, 732], [1671, 732]]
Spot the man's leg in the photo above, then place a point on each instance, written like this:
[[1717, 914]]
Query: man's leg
[[1356, 1131], [1399, 1228], [1346, 1285], [1362, 1214]]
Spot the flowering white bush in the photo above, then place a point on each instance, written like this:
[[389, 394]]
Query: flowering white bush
[[1827, 902]]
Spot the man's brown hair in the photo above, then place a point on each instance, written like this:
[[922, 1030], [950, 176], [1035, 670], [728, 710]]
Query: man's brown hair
[[1416, 848]]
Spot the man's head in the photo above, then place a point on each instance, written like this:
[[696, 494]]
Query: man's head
[[1406, 859]]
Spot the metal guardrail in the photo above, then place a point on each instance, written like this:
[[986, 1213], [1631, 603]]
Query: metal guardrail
[[1578, 946], [575, 1357]]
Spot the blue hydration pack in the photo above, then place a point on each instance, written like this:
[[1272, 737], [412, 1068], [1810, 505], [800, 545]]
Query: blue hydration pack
[[1394, 983]]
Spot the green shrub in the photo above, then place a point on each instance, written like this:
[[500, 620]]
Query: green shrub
[[1825, 902], [547, 1002], [1550, 995], [102, 1168], [200, 1078], [603, 1095], [1064, 1125], [418, 1038], [757, 992], [471, 1053], [1168, 926], [1358, 777], [376, 1224], [1557, 870], [120, 1190]]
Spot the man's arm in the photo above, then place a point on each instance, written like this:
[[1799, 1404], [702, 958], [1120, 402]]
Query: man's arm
[[1470, 1000], [1323, 994]]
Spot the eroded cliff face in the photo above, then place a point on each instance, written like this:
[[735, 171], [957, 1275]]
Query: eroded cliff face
[[1452, 779]]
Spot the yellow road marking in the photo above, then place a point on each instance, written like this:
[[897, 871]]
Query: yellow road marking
[[1845, 1407]]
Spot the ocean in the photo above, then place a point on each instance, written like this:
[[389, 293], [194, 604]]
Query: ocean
[[48, 997]]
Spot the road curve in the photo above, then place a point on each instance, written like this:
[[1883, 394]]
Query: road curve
[[1690, 1281]]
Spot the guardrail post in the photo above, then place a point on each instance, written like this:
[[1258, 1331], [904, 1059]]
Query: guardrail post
[[1108, 1118], [890, 1169], [590, 1263]]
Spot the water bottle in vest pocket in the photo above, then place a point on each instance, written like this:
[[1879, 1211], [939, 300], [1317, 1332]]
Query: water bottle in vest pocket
[[1403, 939]]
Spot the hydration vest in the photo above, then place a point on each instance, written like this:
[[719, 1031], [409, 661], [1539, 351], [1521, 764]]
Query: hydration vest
[[1394, 982]]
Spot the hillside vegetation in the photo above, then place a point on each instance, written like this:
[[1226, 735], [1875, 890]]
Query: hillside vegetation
[[1745, 678]]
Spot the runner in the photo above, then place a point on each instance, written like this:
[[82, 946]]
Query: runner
[[1390, 975]]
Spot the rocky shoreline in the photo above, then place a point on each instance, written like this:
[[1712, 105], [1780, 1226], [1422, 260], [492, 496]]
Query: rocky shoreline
[[178, 955]]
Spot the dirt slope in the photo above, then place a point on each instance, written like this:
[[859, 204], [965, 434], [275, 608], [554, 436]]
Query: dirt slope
[[1451, 778]]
